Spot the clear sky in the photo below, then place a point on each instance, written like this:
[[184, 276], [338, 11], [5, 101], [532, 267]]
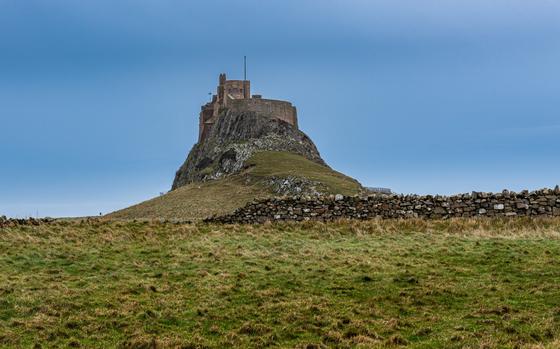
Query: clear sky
[[99, 99]]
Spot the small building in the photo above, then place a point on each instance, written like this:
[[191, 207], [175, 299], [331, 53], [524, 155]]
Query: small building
[[378, 190], [235, 95]]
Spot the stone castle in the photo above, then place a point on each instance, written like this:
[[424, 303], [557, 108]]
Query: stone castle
[[235, 95]]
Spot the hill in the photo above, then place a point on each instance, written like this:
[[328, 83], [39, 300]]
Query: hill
[[248, 147], [264, 174], [243, 154]]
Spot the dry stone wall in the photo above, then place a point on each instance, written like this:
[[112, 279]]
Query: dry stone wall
[[545, 202], [14, 222]]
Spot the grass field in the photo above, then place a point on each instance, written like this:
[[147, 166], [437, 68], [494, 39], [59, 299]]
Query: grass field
[[422, 284], [200, 200]]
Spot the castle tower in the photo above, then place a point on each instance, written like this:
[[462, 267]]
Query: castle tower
[[236, 95]]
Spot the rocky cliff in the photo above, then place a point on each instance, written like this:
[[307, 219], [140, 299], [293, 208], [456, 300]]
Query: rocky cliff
[[234, 138]]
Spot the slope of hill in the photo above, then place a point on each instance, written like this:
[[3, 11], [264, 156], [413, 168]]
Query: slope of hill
[[264, 174]]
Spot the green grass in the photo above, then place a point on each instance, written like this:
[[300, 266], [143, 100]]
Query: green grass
[[283, 164], [200, 200], [196, 201], [424, 284]]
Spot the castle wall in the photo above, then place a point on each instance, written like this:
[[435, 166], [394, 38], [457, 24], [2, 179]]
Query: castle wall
[[204, 123], [282, 110]]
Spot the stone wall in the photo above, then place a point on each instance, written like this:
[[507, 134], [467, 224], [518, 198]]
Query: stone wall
[[14, 222], [281, 110], [545, 202]]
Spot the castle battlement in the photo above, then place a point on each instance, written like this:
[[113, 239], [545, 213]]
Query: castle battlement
[[236, 95]]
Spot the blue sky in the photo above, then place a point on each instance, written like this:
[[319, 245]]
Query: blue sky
[[99, 99]]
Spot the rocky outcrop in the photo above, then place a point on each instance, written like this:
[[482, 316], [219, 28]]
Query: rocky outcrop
[[295, 186], [545, 202], [234, 138]]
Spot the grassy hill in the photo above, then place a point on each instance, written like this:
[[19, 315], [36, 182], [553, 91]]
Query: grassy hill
[[199, 200], [282, 164], [458, 283]]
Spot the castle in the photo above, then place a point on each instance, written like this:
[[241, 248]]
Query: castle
[[235, 95]]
